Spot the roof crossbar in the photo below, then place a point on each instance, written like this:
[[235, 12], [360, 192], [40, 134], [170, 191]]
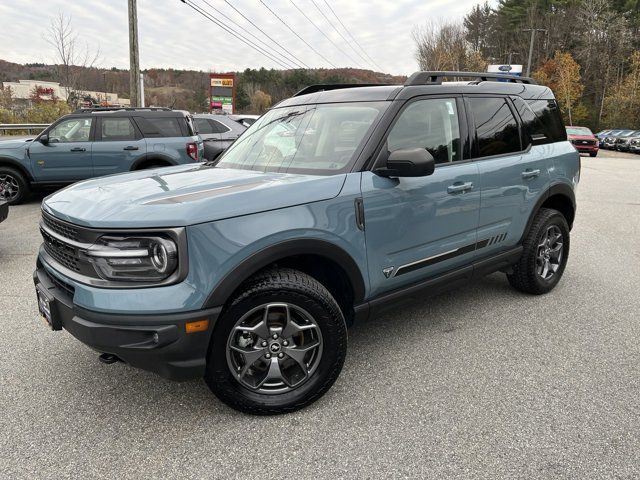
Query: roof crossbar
[[436, 78]]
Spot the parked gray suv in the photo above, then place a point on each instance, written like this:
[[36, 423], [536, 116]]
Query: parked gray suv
[[95, 142]]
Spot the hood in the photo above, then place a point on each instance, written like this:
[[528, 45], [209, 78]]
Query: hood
[[15, 143], [580, 137], [184, 195]]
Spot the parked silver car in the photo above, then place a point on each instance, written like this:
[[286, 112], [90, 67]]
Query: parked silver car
[[217, 132]]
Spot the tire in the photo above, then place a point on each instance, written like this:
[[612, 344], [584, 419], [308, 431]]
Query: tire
[[244, 383], [593, 154], [527, 276], [14, 188]]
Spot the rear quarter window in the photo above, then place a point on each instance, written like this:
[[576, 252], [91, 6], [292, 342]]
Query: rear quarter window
[[160, 126], [550, 121]]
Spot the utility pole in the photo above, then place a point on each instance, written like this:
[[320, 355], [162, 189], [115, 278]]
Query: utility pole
[[533, 36], [134, 56]]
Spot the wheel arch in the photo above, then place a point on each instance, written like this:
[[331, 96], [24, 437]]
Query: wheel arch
[[559, 196], [152, 158], [12, 163], [312, 256]]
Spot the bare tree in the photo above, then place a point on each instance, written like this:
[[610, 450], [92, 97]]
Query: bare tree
[[71, 57], [444, 46]]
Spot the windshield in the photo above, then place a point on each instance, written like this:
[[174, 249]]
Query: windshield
[[627, 133], [578, 131], [316, 139]]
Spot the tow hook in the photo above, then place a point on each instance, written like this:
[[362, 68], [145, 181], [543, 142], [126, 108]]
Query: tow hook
[[108, 358]]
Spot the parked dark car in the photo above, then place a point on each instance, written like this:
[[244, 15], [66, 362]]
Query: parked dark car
[[601, 135], [622, 141], [94, 142], [634, 144], [217, 132], [583, 140]]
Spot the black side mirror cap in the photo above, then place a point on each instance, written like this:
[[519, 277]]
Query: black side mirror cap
[[408, 162], [43, 139]]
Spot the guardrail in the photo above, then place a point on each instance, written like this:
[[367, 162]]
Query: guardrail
[[28, 127]]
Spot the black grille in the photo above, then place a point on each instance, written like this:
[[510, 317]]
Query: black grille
[[60, 228], [61, 252]]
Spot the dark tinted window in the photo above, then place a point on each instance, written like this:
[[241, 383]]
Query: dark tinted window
[[203, 126], [496, 128], [219, 127], [430, 124], [160, 126], [113, 129], [551, 124]]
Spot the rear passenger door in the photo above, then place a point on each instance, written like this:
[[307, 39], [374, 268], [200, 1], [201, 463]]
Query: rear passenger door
[[512, 174], [118, 145]]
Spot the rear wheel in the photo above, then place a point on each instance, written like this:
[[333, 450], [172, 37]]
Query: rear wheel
[[279, 346], [593, 154], [13, 186], [544, 256]]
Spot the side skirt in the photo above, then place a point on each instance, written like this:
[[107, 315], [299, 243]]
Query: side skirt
[[438, 284]]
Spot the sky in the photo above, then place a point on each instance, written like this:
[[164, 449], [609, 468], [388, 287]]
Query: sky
[[173, 35]]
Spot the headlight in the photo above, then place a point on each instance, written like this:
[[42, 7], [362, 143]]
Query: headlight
[[135, 258]]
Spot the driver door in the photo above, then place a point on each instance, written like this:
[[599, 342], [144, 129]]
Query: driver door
[[419, 227], [66, 157]]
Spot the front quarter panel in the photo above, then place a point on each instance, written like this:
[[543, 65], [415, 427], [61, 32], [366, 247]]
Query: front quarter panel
[[217, 248]]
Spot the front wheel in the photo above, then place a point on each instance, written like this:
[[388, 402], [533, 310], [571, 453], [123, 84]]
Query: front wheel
[[544, 256], [279, 346], [14, 188], [593, 154]]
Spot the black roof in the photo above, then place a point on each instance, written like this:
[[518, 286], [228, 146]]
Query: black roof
[[423, 83]]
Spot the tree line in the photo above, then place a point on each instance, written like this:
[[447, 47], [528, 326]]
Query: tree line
[[587, 51]]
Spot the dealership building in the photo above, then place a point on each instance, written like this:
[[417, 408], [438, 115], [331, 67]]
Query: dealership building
[[22, 92]]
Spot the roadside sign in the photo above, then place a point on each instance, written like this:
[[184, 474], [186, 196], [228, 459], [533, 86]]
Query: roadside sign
[[222, 92]]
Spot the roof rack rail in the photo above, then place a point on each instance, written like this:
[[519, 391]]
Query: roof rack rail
[[119, 109], [435, 78], [320, 87]]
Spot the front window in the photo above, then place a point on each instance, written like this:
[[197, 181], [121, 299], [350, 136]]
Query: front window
[[72, 130], [315, 139], [578, 131]]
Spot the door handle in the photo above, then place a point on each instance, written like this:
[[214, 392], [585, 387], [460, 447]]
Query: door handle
[[459, 187], [130, 148], [78, 149], [530, 173]]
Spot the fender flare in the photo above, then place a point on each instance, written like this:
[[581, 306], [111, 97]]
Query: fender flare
[[562, 189], [153, 156], [12, 162], [260, 259]]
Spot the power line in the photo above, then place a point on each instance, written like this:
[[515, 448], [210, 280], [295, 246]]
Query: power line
[[290, 63], [339, 33], [233, 33], [296, 34], [322, 32], [352, 37], [266, 35]]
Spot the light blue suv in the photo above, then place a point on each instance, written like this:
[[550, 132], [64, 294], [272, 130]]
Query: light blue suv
[[335, 204], [95, 142]]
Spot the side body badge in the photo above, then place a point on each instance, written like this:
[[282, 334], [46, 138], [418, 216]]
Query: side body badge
[[387, 271]]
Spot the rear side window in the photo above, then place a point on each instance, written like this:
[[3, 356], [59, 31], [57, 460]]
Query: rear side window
[[496, 128], [113, 129], [550, 121], [203, 126], [160, 126], [219, 127]]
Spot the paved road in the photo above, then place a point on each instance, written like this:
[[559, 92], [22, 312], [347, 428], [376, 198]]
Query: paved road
[[482, 382]]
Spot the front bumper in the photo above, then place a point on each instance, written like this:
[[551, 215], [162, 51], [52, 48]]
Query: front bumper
[[4, 210], [586, 148], [157, 343]]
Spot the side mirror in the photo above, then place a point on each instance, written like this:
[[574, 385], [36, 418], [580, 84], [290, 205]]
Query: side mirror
[[408, 162], [44, 139]]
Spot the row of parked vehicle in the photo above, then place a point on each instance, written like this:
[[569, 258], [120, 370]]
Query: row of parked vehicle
[[102, 141], [623, 140]]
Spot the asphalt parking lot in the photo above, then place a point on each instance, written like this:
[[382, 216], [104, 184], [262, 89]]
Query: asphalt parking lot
[[482, 382]]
